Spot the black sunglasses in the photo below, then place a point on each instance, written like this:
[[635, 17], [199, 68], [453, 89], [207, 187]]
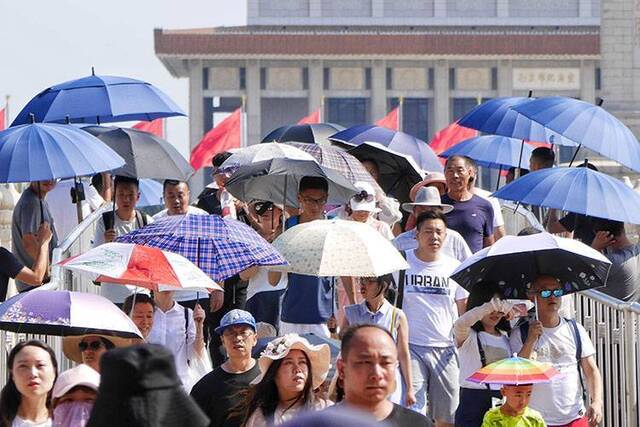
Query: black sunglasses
[[93, 345]]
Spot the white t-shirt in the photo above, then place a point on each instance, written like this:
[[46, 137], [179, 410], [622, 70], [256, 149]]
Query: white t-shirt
[[453, 246], [111, 291], [495, 348], [430, 300], [498, 219], [191, 210], [260, 283], [559, 401], [19, 422], [64, 211]]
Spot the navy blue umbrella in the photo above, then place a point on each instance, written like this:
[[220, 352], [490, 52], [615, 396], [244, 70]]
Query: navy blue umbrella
[[493, 151], [497, 117], [586, 124], [395, 140], [579, 190], [314, 133], [99, 99]]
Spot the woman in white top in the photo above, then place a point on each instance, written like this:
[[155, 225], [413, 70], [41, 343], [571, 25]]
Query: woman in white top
[[290, 370], [377, 310], [481, 335], [25, 401]]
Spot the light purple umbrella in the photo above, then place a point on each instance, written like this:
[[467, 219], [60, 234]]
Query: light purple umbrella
[[64, 313]]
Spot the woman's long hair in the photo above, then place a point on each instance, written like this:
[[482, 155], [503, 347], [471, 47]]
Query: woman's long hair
[[481, 293], [264, 395], [10, 397]]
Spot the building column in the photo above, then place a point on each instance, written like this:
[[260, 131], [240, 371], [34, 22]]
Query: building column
[[584, 9], [316, 86], [378, 90], [587, 81], [315, 8], [196, 119], [253, 102], [441, 100], [377, 8], [505, 78], [439, 8], [502, 8]]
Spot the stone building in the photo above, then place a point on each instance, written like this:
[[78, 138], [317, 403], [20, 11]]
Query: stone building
[[357, 58]]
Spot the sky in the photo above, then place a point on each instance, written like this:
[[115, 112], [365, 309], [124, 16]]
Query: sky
[[45, 42]]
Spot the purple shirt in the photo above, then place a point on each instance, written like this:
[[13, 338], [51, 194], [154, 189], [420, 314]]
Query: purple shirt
[[473, 219]]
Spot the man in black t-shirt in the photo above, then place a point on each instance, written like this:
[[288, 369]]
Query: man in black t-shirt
[[218, 392], [368, 371]]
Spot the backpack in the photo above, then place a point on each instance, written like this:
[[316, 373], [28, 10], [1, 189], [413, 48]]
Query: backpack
[[524, 333], [395, 292]]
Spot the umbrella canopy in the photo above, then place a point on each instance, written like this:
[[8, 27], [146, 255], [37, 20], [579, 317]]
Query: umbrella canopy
[[99, 99], [277, 180], [338, 248], [262, 152], [147, 267], [579, 190], [45, 151], [338, 160], [150, 193], [493, 151], [65, 313], [146, 155], [497, 117], [400, 142], [398, 172], [514, 262], [586, 124], [314, 133], [515, 371], [220, 247]]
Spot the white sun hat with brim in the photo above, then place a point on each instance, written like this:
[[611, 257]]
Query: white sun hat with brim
[[81, 375], [319, 356], [427, 196], [365, 199], [71, 349]]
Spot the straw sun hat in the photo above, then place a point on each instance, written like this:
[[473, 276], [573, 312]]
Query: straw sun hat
[[71, 349], [319, 356]]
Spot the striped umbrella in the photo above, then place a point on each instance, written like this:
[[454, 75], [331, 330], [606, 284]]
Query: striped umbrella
[[515, 371]]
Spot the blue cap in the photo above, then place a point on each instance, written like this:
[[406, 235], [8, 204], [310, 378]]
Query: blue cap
[[236, 317]]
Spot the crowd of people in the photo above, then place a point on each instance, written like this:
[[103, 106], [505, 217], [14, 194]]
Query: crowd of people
[[260, 353]]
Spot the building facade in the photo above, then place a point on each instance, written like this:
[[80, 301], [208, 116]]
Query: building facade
[[356, 59]]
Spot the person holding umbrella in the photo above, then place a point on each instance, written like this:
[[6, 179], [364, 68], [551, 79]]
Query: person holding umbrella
[[566, 345], [89, 349]]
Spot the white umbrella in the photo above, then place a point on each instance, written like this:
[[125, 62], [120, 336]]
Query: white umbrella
[[260, 152], [338, 248]]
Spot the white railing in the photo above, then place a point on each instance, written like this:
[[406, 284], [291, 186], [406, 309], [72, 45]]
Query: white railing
[[76, 243]]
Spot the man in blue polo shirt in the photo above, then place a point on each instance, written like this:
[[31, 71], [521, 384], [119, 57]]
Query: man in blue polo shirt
[[472, 216], [307, 303]]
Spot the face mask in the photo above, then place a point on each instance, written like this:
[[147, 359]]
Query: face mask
[[72, 414]]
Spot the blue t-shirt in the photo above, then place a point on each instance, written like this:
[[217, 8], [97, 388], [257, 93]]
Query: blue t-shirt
[[473, 219], [307, 299]]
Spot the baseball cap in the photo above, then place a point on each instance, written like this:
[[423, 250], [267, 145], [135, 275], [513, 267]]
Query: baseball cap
[[236, 317], [81, 375]]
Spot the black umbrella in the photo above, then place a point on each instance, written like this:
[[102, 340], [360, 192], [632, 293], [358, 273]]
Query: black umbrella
[[146, 155], [316, 133]]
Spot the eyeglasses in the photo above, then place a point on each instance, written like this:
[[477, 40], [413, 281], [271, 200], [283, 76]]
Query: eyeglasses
[[546, 293], [363, 196], [93, 345], [318, 202]]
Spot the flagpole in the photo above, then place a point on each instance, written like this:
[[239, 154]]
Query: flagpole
[[243, 122], [321, 115], [164, 129], [6, 110], [400, 112]]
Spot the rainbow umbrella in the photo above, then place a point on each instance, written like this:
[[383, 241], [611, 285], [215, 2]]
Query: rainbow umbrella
[[515, 371]]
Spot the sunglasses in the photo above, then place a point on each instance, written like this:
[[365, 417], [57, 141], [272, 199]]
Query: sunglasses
[[363, 196], [546, 293], [93, 345]]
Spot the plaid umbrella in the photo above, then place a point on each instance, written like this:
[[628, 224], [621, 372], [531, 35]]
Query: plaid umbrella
[[221, 247], [340, 161]]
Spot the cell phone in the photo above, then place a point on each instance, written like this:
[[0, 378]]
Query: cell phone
[[521, 307]]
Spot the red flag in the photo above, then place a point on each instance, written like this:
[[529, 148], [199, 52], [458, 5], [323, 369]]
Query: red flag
[[391, 120], [450, 136], [3, 114], [221, 138], [155, 127], [311, 118]]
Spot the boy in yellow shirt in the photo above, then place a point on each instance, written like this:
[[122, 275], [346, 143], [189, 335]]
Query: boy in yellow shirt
[[514, 412]]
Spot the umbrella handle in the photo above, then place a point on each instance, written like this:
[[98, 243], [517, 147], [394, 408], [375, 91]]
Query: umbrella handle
[[133, 302], [41, 208], [284, 204], [574, 155]]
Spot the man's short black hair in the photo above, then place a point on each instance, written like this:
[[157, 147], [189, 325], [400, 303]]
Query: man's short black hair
[[220, 158], [140, 299], [350, 333], [602, 224], [119, 179], [545, 155], [172, 182], [468, 161], [433, 214], [313, 183]]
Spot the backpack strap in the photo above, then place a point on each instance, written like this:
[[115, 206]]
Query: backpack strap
[[401, 278], [576, 336], [524, 331], [141, 219], [186, 330], [394, 315], [483, 356]]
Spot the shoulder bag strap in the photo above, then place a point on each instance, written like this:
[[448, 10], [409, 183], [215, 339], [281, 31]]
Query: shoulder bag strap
[[578, 340]]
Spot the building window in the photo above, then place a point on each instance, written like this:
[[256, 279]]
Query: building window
[[305, 78], [263, 78], [462, 106], [205, 78], [347, 111], [326, 77], [452, 78], [367, 78], [414, 116], [243, 78], [431, 76], [389, 77], [598, 78], [494, 78]]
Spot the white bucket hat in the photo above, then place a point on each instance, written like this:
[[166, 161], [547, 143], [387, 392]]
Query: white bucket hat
[[319, 356], [427, 196], [81, 375], [365, 200]]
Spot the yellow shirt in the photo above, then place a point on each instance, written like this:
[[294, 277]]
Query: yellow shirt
[[529, 418]]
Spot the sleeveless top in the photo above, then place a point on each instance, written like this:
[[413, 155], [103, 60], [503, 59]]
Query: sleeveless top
[[386, 316]]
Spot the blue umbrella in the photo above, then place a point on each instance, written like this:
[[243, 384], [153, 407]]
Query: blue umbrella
[[497, 117], [45, 151], [395, 140], [586, 124], [99, 99], [150, 193], [493, 151], [579, 190], [221, 247]]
